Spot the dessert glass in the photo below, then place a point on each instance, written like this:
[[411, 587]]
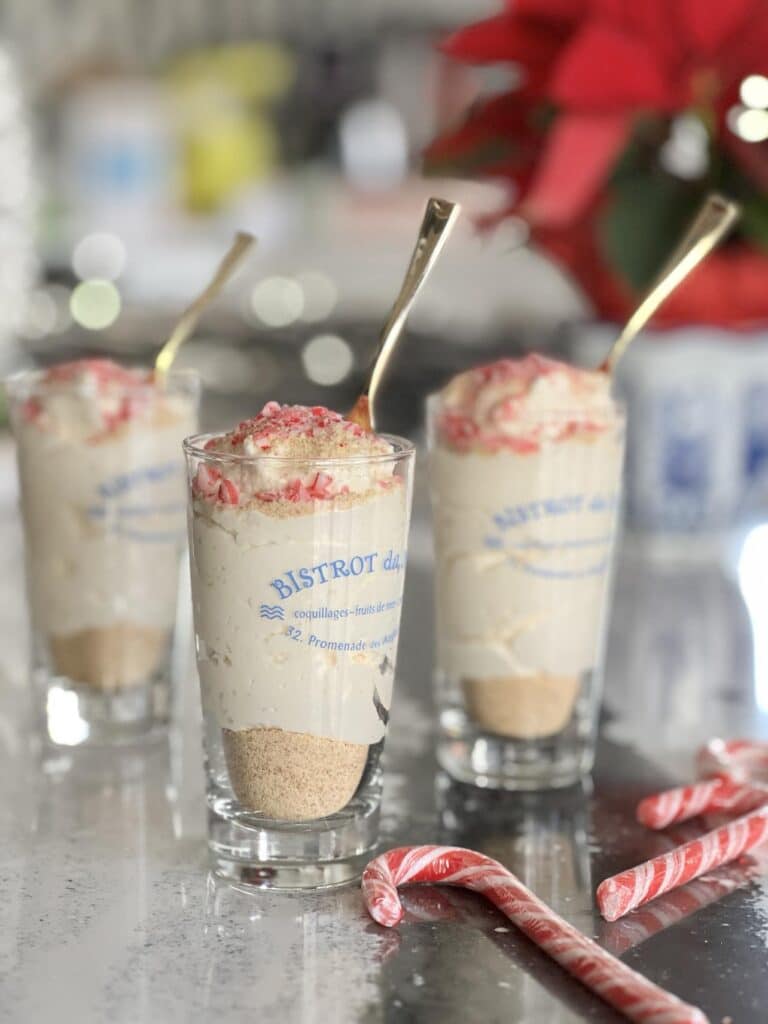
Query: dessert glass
[[523, 550], [297, 611], [102, 500]]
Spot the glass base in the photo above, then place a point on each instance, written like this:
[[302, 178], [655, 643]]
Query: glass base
[[261, 853], [75, 715], [501, 762]]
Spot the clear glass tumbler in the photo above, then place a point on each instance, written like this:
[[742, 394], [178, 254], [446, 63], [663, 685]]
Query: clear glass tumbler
[[297, 614], [523, 553], [102, 502]]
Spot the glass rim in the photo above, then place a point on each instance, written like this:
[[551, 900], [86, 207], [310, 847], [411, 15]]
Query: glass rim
[[403, 449], [32, 380]]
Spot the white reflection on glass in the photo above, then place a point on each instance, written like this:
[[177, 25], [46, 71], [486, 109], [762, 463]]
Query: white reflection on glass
[[65, 724], [753, 581]]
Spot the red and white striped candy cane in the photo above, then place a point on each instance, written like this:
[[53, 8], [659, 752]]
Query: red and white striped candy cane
[[721, 793], [672, 908], [626, 990], [618, 895]]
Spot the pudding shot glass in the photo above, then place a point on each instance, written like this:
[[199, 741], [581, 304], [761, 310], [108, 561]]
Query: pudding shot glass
[[525, 466], [298, 529], [102, 485]]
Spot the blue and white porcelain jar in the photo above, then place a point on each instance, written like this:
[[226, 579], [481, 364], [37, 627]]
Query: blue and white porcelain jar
[[697, 435]]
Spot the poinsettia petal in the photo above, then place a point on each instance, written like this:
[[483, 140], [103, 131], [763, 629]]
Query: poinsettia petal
[[504, 119], [745, 54], [707, 26], [567, 11], [504, 38], [654, 22], [580, 153], [605, 69]]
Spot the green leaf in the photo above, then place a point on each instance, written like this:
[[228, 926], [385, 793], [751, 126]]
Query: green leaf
[[645, 217], [754, 222]]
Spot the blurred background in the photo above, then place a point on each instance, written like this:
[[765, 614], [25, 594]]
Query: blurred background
[[136, 137]]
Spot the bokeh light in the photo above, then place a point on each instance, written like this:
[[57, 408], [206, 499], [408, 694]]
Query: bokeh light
[[686, 151], [277, 301], [327, 359], [751, 125], [374, 145], [754, 91], [320, 295], [99, 255], [95, 304]]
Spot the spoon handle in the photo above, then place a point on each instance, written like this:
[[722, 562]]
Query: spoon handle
[[186, 323], [709, 226], [439, 218]]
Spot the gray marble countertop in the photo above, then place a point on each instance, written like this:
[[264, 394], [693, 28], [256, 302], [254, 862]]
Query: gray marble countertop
[[108, 912]]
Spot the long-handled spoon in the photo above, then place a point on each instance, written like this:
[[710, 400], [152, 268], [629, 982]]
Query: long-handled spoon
[[188, 319], [439, 218], [707, 229]]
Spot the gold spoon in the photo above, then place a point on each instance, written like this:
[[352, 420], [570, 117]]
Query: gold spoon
[[707, 229], [439, 218], [188, 319]]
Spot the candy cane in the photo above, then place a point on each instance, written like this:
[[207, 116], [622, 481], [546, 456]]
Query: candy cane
[[673, 908], [721, 793], [626, 990], [621, 893]]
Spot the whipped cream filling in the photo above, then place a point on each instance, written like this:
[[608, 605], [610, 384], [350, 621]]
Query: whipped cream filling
[[297, 562], [102, 497], [94, 399], [520, 404], [526, 493]]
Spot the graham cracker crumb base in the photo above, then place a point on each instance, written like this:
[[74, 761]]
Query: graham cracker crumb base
[[292, 776], [521, 707], [109, 658]]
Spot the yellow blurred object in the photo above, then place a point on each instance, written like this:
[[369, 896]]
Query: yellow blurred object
[[227, 137]]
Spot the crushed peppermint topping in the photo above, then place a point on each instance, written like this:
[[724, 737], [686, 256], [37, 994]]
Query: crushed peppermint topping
[[105, 373], [519, 404], [304, 435], [281, 426], [113, 395]]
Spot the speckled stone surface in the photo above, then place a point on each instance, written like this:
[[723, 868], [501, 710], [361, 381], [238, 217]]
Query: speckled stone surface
[[108, 912]]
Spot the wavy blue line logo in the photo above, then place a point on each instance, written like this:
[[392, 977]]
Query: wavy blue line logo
[[272, 612]]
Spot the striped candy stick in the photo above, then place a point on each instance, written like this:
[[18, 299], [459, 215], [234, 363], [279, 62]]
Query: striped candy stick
[[672, 908], [626, 990], [721, 793], [621, 893]]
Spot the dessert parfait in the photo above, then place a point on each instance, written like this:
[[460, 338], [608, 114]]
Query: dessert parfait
[[102, 496], [298, 530], [525, 471]]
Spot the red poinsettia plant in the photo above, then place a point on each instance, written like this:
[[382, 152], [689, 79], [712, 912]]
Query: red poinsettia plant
[[620, 116]]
